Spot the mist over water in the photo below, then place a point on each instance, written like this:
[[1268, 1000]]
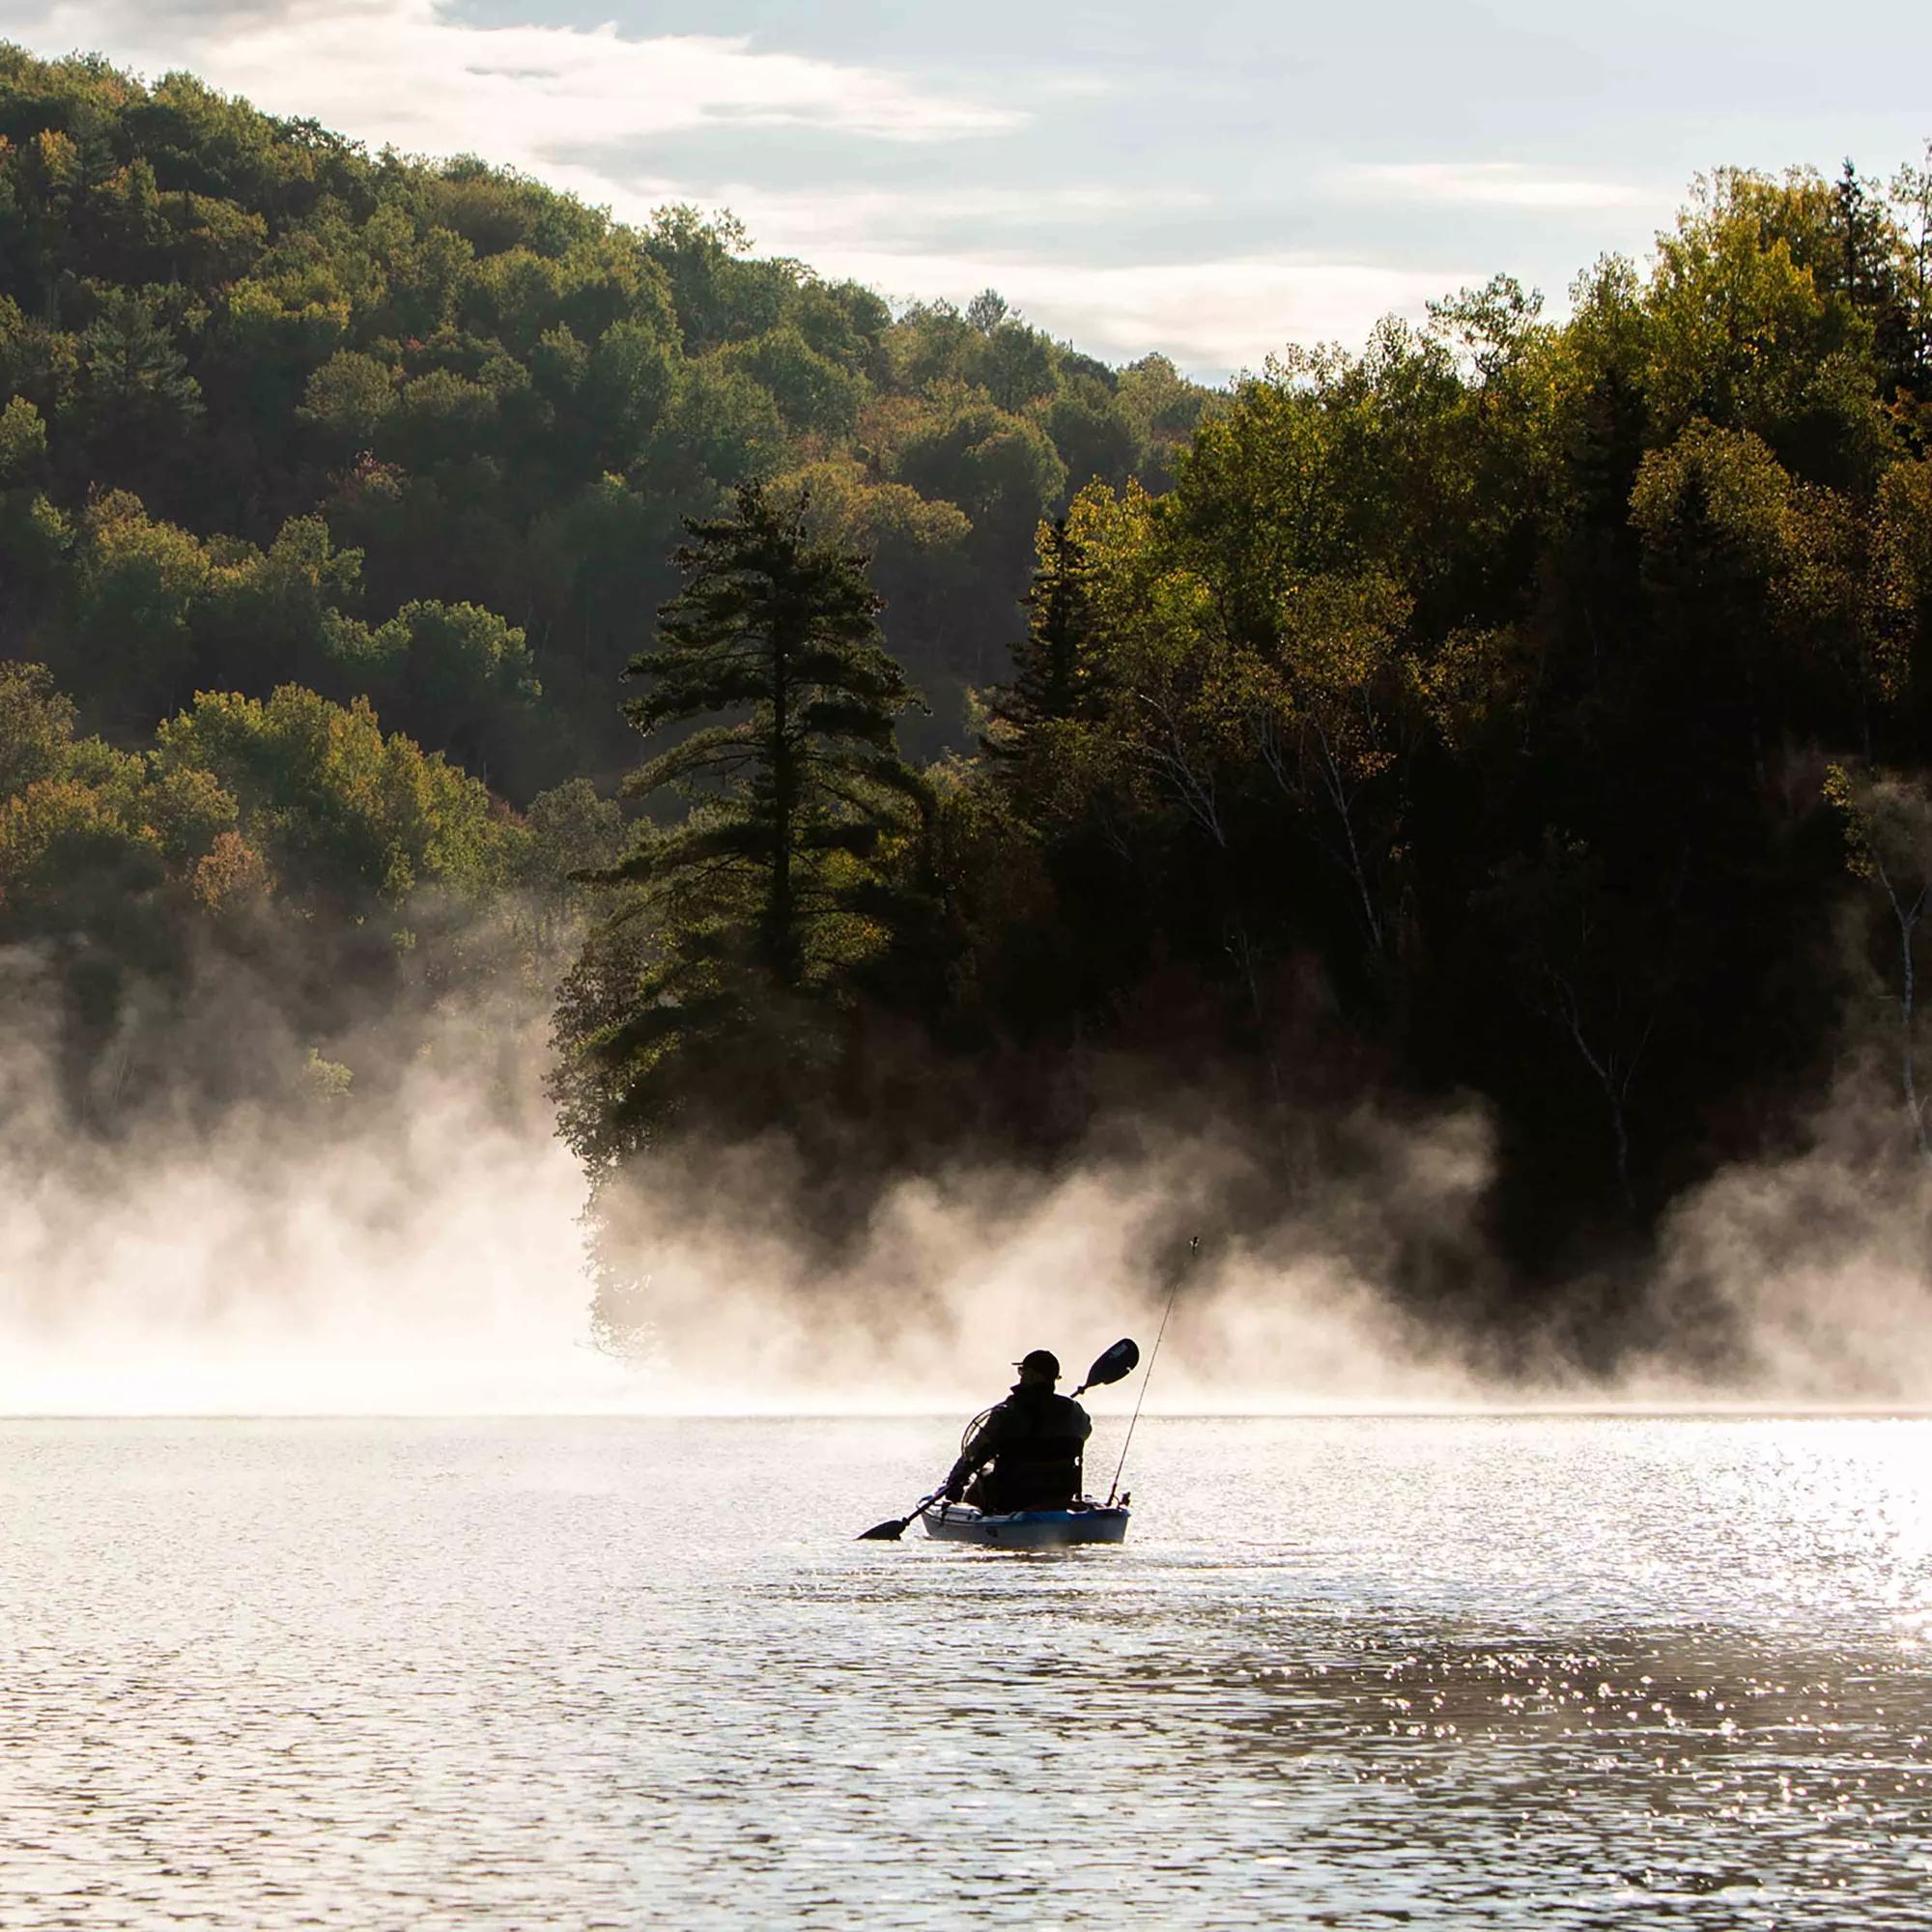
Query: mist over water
[[418, 1246], [1816, 1269], [415, 1250]]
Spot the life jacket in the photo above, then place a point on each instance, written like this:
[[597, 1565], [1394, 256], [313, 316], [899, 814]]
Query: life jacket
[[1037, 1443]]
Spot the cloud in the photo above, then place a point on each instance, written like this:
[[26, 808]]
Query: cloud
[[868, 219], [598, 114], [410, 72], [1491, 183], [1211, 317]]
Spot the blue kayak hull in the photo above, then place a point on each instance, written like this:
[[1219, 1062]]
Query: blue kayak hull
[[1027, 1529]]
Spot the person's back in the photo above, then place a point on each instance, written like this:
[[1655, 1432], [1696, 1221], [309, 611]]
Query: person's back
[[1034, 1441]]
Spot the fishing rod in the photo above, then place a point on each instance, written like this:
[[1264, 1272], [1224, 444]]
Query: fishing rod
[[1193, 1251]]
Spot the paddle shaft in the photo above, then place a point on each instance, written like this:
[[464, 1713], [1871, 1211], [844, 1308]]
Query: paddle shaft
[[896, 1526], [1193, 1249]]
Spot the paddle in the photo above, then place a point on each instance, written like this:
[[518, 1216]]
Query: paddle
[[1116, 1365], [895, 1526]]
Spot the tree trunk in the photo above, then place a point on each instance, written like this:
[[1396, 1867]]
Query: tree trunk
[[781, 912]]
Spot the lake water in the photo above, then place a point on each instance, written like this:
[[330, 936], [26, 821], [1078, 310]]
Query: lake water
[[1355, 1672]]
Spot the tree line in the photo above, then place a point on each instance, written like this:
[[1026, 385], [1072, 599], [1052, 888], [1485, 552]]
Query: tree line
[[1527, 710], [1521, 709], [282, 410], [404, 447]]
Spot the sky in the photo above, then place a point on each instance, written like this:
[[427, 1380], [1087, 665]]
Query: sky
[[1212, 180]]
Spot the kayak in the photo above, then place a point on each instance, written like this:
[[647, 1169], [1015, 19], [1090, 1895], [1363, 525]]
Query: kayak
[[1028, 1529]]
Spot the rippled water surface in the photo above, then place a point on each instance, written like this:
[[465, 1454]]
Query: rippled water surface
[[527, 1674]]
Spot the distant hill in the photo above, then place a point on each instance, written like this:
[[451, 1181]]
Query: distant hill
[[424, 430]]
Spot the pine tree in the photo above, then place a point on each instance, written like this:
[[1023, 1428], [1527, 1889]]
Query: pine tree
[[1912, 200], [742, 928], [136, 381], [1868, 245], [1055, 666]]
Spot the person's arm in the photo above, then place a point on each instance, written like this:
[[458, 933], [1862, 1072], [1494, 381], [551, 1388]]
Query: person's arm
[[977, 1454]]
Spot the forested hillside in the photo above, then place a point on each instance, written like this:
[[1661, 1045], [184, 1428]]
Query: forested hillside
[[1522, 711], [311, 429], [280, 409]]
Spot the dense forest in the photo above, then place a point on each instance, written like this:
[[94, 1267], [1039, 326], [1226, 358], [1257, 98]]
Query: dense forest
[[337, 490], [1529, 711]]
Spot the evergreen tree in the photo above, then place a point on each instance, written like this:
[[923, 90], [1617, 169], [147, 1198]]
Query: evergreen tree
[[1870, 243], [1056, 665], [741, 929], [136, 380]]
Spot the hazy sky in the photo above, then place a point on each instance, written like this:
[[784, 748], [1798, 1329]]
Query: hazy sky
[[1212, 179]]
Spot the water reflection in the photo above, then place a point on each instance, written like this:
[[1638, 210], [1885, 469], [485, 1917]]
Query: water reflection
[[575, 1674], [1675, 1768]]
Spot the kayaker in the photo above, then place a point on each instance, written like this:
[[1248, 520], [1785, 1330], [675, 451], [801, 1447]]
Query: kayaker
[[1033, 1441]]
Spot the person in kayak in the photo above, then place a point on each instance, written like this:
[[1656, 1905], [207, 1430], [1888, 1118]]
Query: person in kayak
[[1033, 1441]]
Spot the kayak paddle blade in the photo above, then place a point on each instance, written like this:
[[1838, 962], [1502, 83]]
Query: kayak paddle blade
[[895, 1526], [1119, 1362]]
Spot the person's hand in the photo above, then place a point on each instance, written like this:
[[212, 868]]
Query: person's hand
[[955, 1487]]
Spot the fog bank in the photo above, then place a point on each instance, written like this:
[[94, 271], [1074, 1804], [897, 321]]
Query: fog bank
[[418, 1247]]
